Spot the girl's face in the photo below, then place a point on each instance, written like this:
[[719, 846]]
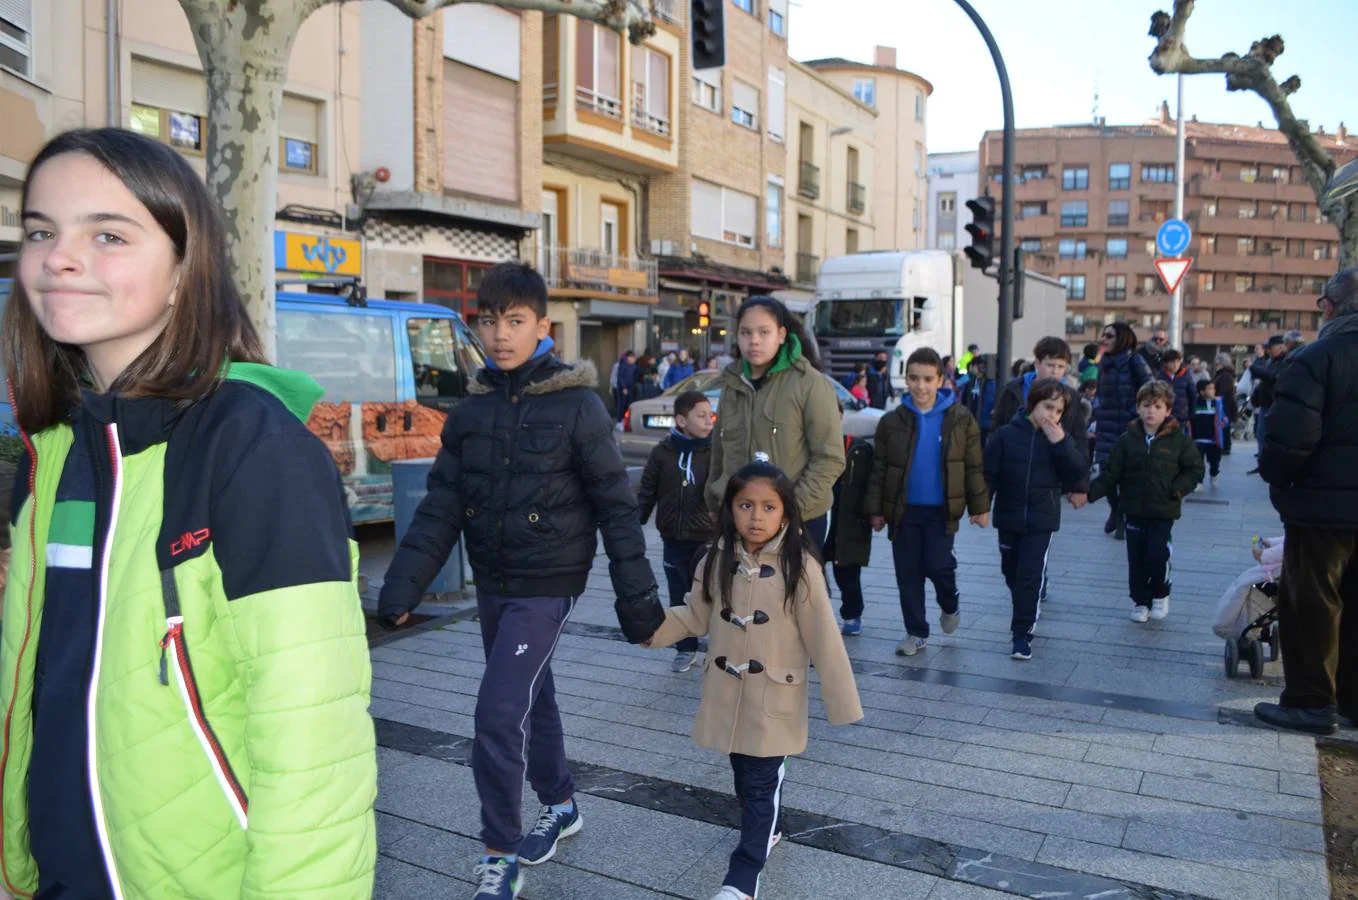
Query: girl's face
[[759, 337], [98, 270], [758, 511]]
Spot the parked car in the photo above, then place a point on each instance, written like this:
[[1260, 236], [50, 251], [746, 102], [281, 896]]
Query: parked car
[[647, 421]]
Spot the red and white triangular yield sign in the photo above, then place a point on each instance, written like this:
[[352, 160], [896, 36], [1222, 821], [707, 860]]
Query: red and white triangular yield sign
[[1172, 270]]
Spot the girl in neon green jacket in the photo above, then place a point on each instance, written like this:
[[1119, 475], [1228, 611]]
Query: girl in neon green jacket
[[184, 678]]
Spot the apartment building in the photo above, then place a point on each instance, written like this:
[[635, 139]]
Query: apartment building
[[1090, 198], [717, 224], [55, 75], [830, 210], [900, 177], [953, 180]]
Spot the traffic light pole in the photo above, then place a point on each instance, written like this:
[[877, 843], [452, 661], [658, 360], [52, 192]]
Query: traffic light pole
[[1004, 350]]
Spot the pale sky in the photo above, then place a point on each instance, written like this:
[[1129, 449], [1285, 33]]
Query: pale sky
[[1058, 51]]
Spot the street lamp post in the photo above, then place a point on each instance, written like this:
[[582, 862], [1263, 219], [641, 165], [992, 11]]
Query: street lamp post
[[1005, 338]]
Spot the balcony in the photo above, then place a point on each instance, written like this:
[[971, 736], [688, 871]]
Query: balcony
[[808, 181], [808, 267], [594, 272], [652, 124], [858, 198], [666, 11], [597, 103]]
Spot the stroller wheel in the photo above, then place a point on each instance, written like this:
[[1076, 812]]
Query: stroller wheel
[[1255, 657], [1232, 658]]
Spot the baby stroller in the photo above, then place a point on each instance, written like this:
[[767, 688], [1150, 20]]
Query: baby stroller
[[1243, 426], [1247, 615]]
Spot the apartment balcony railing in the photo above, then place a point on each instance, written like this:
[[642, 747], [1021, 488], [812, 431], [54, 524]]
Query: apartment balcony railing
[[575, 267], [586, 98], [808, 267], [808, 181], [550, 94], [668, 10], [652, 123], [858, 198]]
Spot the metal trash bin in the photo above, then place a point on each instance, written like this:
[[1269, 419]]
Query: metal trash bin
[[409, 478]]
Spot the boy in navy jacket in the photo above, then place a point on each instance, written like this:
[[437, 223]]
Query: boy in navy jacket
[[1029, 463]]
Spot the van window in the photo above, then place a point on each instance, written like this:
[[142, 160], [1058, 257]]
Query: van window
[[444, 355], [353, 357]]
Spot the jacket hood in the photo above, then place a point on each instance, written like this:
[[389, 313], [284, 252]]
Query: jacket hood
[[946, 398], [545, 375], [767, 553], [789, 353], [1168, 426], [683, 443], [1342, 325], [298, 391]]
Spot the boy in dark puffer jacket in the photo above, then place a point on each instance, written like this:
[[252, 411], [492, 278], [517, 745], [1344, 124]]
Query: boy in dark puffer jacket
[[528, 474], [1028, 464], [1153, 466], [1177, 376], [672, 484]]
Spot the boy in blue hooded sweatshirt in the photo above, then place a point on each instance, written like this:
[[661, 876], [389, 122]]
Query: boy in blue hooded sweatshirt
[[927, 473]]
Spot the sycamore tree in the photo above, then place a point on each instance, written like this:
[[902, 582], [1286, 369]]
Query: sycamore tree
[[1335, 187], [245, 46]]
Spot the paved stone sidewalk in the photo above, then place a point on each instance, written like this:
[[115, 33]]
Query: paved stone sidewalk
[[1119, 762]]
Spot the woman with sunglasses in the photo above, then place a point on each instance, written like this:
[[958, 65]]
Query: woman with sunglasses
[[1122, 371]]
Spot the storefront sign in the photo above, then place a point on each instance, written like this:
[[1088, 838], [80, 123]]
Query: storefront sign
[[317, 253]]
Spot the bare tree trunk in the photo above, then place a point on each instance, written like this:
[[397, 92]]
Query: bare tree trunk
[[1346, 217]]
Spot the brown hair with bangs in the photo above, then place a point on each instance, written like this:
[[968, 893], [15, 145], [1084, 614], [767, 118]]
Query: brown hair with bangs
[[1047, 389], [207, 328]]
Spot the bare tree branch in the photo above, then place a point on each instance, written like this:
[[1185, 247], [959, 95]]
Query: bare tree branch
[[633, 15]]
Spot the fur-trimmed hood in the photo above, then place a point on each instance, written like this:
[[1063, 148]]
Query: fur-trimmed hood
[[547, 376]]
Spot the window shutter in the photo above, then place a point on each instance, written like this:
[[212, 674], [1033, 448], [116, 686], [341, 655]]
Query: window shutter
[[584, 54], [18, 13], [299, 119], [738, 213], [706, 214], [658, 93], [168, 87], [777, 102], [746, 97]]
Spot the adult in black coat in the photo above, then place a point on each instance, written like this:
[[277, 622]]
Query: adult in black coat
[[1264, 373], [1224, 378], [1310, 460], [1122, 371]]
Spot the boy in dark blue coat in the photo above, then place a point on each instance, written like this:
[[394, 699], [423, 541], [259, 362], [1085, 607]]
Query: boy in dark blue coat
[[1180, 379], [1029, 463]]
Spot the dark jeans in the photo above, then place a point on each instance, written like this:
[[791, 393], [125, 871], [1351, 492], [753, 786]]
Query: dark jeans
[[679, 576], [923, 549], [1226, 438], [518, 725], [622, 398], [1260, 421], [1149, 549], [816, 529], [759, 788], [1318, 619], [849, 580], [1023, 560], [1211, 458]]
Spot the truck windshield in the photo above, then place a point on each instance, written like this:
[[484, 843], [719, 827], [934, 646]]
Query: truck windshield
[[444, 356], [859, 318]]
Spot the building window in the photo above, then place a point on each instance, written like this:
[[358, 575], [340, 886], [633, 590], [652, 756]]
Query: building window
[[1119, 176], [1249, 209], [1244, 246], [651, 91], [747, 5], [707, 89], [778, 17], [744, 104], [947, 241], [1031, 245], [1154, 210], [1032, 173], [1243, 320], [947, 204], [1072, 249], [16, 37], [181, 130], [299, 135], [916, 216], [1282, 174], [1322, 250], [598, 70], [1150, 248], [773, 214], [1075, 286], [1075, 323], [1119, 212], [1115, 287], [1244, 284], [919, 106], [919, 160], [722, 214], [1075, 214], [777, 103], [1249, 174], [851, 240], [1075, 178], [1207, 281], [1208, 244], [1117, 248], [1158, 173], [865, 91], [551, 61], [1029, 210]]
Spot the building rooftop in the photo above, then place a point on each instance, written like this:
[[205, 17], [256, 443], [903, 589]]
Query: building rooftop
[[1163, 126], [839, 62]]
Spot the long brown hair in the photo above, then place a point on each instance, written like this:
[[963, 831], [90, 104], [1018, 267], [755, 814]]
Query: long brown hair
[[207, 328]]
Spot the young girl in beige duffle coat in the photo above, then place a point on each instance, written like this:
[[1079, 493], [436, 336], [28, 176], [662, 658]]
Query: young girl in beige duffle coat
[[760, 595]]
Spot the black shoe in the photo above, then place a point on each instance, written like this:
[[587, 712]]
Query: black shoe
[[1120, 534], [1254, 471], [1312, 721], [1111, 524]]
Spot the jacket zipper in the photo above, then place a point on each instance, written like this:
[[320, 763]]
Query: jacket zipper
[[193, 704], [1028, 478], [92, 693], [23, 646]]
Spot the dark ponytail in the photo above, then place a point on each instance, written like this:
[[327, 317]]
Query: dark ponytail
[[785, 319]]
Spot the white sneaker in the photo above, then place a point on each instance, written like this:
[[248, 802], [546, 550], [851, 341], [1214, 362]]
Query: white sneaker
[[949, 622], [1198, 489], [1141, 614], [1159, 608], [1215, 480], [729, 893], [910, 646]]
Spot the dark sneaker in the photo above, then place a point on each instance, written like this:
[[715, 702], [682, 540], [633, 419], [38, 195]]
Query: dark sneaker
[[539, 845], [1023, 648], [683, 661], [1120, 534], [1312, 721], [497, 879], [1111, 523], [852, 627]]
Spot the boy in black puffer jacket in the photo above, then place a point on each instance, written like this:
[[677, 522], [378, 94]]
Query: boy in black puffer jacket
[[672, 484], [528, 474], [1153, 466], [849, 543], [1029, 463]]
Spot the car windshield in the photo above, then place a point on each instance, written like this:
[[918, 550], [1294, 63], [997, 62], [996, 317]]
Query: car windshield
[[705, 381]]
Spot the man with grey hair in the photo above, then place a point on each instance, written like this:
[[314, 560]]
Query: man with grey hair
[[1310, 460]]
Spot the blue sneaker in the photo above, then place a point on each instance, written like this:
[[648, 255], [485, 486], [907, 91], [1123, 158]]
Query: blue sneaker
[[852, 627], [1023, 648], [540, 844], [497, 878]]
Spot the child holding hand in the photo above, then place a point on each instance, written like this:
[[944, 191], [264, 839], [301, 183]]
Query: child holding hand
[[761, 598]]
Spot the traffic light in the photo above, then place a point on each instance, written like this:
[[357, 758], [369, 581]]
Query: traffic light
[[708, 30], [982, 231], [703, 312]]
